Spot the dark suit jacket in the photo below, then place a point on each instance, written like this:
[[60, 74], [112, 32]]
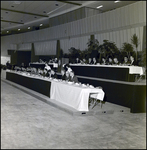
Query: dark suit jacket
[[133, 63]]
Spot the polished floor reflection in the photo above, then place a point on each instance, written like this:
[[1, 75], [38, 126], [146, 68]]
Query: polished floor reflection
[[28, 123]]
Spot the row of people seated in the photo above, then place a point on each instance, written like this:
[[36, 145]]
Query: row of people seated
[[46, 72], [66, 73], [108, 61]]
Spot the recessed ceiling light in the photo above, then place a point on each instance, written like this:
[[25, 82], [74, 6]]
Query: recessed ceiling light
[[18, 29], [116, 1], [41, 24], [99, 6], [7, 31], [28, 27]]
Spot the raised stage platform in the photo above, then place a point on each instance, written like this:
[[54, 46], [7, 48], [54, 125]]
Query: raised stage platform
[[107, 108]]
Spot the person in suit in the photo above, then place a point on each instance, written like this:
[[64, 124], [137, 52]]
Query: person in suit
[[110, 61], [55, 64], [83, 61], [77, 61], [73, 77], [47, 67], [115, 60], [63, 75], [46, 73], [132, 61], [89, 60], [94, 61], [67, 76], [8, 65], [125, 62], [103, 61]]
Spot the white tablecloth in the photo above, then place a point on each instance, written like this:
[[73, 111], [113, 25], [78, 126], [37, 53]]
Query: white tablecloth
[[72, 95]]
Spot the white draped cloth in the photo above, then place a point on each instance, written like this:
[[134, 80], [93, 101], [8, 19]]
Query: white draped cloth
[[74, 96]]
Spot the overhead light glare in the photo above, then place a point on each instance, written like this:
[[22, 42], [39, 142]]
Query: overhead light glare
[[28, 27], [99, 6], [7, 31], [41, 24], [18, 29], [116, 1]]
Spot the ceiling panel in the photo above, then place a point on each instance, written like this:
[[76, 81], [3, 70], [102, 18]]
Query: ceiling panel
[[49, 8]]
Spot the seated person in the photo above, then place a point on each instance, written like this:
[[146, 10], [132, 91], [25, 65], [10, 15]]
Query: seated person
[[53, 74], [132, 61], [94, 61], [28, 69], [115, 60], [110, 61], [126, 62], [83, 61], [63, 75], [46, 73], [73, 77], [89, 61], [67, 67], [55, 64], [47, 67], [67, 78], [8, 65], [77, 61], [103, 61]]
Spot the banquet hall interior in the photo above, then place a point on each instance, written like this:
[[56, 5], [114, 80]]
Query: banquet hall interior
[[73, 74]]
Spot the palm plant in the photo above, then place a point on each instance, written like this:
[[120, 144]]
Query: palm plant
[[135, 42], [128, 48]]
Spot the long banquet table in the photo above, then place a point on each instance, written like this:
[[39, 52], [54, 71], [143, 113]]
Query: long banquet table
[[75, 96], [112, 72]]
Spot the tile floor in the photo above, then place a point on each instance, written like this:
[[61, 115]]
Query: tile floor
[[28, 123]]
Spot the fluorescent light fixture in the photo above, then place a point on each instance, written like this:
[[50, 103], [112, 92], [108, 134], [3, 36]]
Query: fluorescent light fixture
[[41, 24], [99, 6], [7, 31], [116, 1], [28, 27], [18, 29]]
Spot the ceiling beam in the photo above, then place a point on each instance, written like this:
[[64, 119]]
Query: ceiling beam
[[69, 2], [23, 12], [12, 21]]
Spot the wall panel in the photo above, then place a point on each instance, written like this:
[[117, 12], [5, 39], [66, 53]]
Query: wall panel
[[25, 47], [144, 10], [97, 23], [141, 38], [45, 48]]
